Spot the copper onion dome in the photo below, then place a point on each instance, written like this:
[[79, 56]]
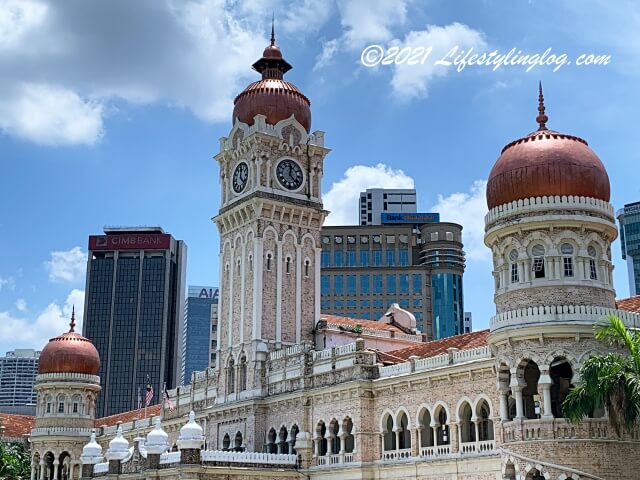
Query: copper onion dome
[[69, 353], [546, 163], [272, 96]]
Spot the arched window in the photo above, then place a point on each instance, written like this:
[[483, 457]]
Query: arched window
[[226, 442], [250, 260], [531, 374], [231, 376], [561, 374], [593, 269], [334, 428], [237, 442], [242, 374], [513, 257], [307, 263], [283, 446], [404, 437], [293, 433], [389, 436], [349, 440], [269, 258], [272, 447], [537, 265], [61, 401], [288, 265], [238, 265], [567, 259], [442, 432], [485, 425], [321, 432], [426, 432], [467, 427]]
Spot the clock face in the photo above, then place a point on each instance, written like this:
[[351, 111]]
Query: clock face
[[240, 176], [289, 174]]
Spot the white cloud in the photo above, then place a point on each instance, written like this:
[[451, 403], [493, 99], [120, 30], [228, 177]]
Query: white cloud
[[7, 282], [370, 20], [306, 15], [21, 305], [329, 49], [50, 115], [64, 63], [468, 209], [23, 332], [342, 198], [411, 81], [67, 266]]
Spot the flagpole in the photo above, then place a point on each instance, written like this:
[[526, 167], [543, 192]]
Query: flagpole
[[145, 401], [164, 396]]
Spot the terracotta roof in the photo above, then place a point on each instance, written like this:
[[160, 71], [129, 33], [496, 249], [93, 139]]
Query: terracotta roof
[[352, 322], [466, 341], [15, 426], [631, 304], [126, 417]]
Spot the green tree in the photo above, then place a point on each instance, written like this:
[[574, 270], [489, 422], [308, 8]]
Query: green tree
[[611, 380], [15, 461]]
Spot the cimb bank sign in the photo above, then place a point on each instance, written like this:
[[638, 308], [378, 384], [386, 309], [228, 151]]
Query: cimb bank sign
[[203, 292]]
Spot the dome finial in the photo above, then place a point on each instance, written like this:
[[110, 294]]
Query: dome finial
[[273, 30], [72, 324], [542, 119]]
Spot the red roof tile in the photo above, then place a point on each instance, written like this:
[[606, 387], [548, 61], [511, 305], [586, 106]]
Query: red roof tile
[[466, 341], [352, 322], [126, 417], [15, 426], [631, 304]]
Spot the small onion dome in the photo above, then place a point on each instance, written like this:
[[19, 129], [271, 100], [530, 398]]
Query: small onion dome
[[92, 451], [157, 440], [191, 434], [546, 163], [272, 96], [69, 353], [118, 447]]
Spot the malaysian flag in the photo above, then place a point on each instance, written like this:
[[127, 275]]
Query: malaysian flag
[[168, 400], [149, 396]]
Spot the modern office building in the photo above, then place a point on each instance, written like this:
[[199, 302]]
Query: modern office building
[[468, 322], [629, 218], [196, 331], [18, 370], [376, 201], [366, 268], [134, 312], [213, 343]]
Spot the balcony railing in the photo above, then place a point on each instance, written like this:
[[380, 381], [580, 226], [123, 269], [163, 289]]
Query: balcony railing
[[478, 447], [335, 459], [396, 454], [557, 428]]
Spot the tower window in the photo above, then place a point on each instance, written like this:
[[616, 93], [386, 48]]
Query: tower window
[[250, 262], [61, 407], [538, 261], [567, 261], [288, 264], [49, 407], [513, 256], [75, 407], [306, 268], [593, 271], [269, 256]]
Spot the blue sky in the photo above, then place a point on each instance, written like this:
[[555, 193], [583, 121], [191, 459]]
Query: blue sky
[[110, 114]]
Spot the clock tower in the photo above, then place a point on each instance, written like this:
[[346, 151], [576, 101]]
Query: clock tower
[[269, 221]]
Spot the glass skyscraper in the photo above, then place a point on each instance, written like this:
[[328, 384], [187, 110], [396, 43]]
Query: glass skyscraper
[[133, 313], [200, 319], [18, 370], [629, 218]]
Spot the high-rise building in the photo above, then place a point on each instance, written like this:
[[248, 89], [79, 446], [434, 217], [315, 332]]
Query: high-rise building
[[197, 329], [376, 201], [18, 370], [134, 312], [629, 218], [366, 268], [468, 322]]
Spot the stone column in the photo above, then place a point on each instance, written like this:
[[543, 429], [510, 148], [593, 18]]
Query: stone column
[[318, 445], [476, 423], [56, 463], [33, 472], [382, 445], [504, 404], [397, 432], [304, 449], [517, 393], [527, 271], [545, 385], [42, 468]]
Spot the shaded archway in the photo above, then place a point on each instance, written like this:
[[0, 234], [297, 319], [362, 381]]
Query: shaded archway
[[466, 424], [64, 466], [531, 375], [237, 442], [283, 446], [293, 433], [334, 439], [404, 434], [561, 374], [388, 435], [349, 439], [226, 442], [485, 424], [442, 429], [271, 441], [426, 431], [48, 465], [321, 438]]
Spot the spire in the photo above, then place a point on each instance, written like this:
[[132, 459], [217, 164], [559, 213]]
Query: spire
[[542, 119], [273, 31], [72, 324]]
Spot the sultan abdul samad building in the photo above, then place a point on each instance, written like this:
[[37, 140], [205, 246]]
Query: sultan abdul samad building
[[297, 394]]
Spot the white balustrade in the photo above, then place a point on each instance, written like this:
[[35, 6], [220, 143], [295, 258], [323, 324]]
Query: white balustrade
[[346, 349], [471, 354], [348, 458], [101, 467], [397, 369], [469, 447], [427, 452], [441, 450], [432, 362], [402, 454], [486, 446], [249, 457], [170, 457]]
